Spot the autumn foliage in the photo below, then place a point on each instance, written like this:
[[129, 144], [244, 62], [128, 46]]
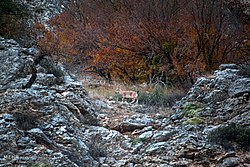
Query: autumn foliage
[[156, 40]]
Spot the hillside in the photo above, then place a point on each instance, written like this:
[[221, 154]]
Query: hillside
[[55, 123], [188, 61]]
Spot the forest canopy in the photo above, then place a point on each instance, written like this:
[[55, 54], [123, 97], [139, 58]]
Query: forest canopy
[[147, 40]]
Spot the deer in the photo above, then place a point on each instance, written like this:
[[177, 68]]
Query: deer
[[129, 95]]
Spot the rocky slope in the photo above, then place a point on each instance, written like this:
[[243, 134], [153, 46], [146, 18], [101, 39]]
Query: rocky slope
[[41, 11], [55, 123]]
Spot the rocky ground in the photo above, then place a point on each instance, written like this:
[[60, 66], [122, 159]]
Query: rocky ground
[[55, 123]]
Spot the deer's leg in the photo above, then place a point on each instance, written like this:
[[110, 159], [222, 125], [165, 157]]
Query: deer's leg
[[136, 101], [132, 101], [126, 100]]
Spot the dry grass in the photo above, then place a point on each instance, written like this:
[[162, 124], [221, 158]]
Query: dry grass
[[101, 92], [151, 95]]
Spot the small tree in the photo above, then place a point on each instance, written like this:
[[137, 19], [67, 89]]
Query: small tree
[[217, 36]]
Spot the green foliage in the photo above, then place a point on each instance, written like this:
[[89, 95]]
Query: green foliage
[[138, 141], [156, 98], [192, 109], [194, 120], [156, 62], [117, 97], [168, 47], [159, 98], [191, 113], [232, 133], [192, 106]]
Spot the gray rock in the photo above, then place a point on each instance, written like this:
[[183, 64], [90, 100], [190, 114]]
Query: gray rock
[[44, 120], [8, 117], [13, 65], [215, 96], [230, 162], [165, 165], [102, 104], [42, 11], [39, 135], [183, 163], [163, 135], [146, 135], [156, 147], [46, 80], [247, 158], [239, 87], [134, 123], [228, 66], [24, 142]]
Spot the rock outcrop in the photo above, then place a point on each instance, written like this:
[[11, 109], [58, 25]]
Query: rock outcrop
[[42, 124], [41, 11], [55, 123]]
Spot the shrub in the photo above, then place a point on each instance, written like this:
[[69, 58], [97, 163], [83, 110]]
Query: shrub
[[192, 109], [117, 97], [158, 97], [192, 106], [138, 141], [245, 69], [232, 133], [194, 120]]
